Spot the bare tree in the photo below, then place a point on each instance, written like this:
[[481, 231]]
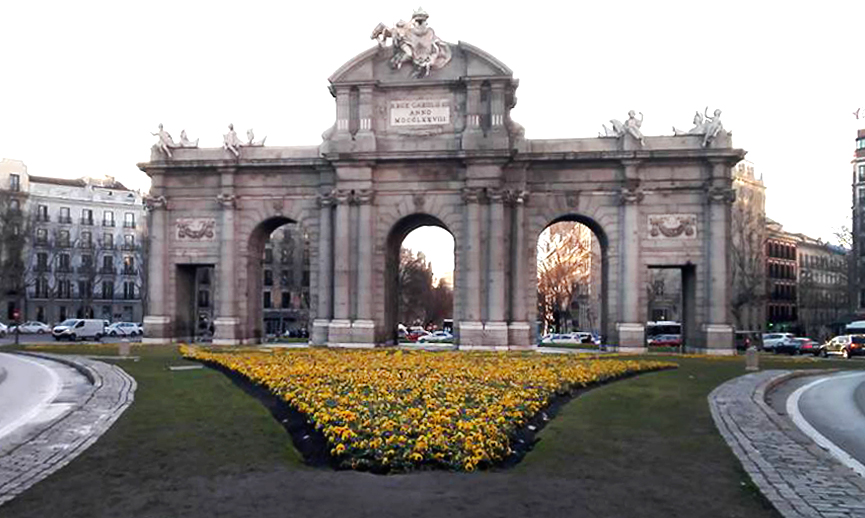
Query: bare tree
[[564, 264], [748, 259]]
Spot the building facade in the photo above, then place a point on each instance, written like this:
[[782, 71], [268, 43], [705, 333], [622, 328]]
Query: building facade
[[285, 297], [823, 288], [84, 251], [857, 263], [781, 278]]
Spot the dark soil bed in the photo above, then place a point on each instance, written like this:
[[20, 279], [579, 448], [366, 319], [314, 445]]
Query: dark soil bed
[[312, 444]]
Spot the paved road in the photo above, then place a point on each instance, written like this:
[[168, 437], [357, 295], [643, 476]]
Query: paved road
[[42, 339], [26, 388], [835, 407]]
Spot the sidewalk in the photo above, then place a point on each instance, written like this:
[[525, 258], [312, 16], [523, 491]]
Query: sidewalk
[[94, 394], [798, 477]]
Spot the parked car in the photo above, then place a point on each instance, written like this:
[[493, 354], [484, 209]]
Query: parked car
[[437, 337], [811, 347], [771, 339], [666, 340], [3, 330], [415, 333], [844, 346], [79, 328], [793, 345], [123, 329], [583, 337], [32, 327]]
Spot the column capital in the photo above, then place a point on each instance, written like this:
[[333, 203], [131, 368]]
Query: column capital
[[325, 199], [342, 196], [364, 196], [227, 201], [720, 195], [472, 194], [153, 203], [630, 196], [518, 196], [496, 195]]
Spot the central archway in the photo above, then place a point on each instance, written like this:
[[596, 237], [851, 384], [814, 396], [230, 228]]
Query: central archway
[[395, 238]]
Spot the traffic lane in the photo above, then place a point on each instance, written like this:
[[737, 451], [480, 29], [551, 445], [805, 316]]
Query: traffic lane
[[46, 339], [27, 388], [835, 407]]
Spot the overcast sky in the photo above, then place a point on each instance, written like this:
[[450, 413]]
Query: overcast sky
[[84, 83]]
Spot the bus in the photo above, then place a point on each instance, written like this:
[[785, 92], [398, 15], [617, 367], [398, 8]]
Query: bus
[[856, 328], [663, 327]]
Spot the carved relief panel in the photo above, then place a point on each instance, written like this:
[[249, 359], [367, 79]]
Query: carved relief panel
[[673, 226]]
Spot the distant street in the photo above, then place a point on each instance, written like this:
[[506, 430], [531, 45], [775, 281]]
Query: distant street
[[47, 338], [835, 407]]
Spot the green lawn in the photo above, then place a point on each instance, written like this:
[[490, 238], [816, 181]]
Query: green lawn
[[194, 444]]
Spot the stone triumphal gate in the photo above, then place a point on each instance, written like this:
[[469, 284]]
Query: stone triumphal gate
[[423, 136]]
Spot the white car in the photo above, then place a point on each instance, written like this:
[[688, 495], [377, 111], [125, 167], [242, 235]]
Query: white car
[[437, 337], [123, 329], [3, 329], [32, 327], [770, 340]]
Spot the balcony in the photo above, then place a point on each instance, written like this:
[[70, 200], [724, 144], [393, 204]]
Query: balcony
[[64, 244], [42, 268], [86, 269], [65, 269], [108, 270], [65, 220], [85, 244], [87, 221], [129, 296], [130, 271], [128, 224], [43, 218], [129, 247], [41, 242], [104, 245], [106, 223]]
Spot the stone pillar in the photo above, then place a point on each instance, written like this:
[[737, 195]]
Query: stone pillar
[[157, 323], [226, 324], [473, 132], [471, 330], [496, 328], [343, 114], [340, 327], [324, 310], [631, 331], [365, 137], [519, 330], [363, 327], [718, 329]]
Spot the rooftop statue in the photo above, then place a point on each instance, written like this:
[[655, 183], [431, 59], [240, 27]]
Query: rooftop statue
[[630, 126], [185, 142], [230, 142], [415, 42], [250, 135], [166, 143], [704, 124]]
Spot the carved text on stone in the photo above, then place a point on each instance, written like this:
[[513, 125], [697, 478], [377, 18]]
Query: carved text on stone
[[420, 112]]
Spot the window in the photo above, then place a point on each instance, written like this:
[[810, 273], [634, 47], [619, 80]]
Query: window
[[86, 240], [87, 216], [86, 262], [107, 264], [107, 290], [65, 263], [129, 290], [14, 206], [268, 277], [107, 240], [129, 265], [862, 172], [64, 289], [129, 242], [286, 300], [14, 182], [860, 144], [268, 255], [41, 288], [63, 238], [284, 279], [267, 301], [129, 220], [42, 213], [107, 219], [64, 215], [85, 289], [41, 236], [63, 313], [41, 262]]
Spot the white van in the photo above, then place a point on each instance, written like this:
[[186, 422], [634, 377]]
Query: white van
[[79, 329], [770, 340]]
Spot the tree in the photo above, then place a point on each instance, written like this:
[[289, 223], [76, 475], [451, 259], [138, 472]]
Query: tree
[[420, 301], [748, 268], [564, 264]]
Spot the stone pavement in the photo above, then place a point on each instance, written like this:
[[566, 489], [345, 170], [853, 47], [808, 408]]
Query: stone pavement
[[798, 477], [82, 412]]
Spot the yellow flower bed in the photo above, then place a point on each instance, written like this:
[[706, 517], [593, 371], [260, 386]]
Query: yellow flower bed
[[395, 410]]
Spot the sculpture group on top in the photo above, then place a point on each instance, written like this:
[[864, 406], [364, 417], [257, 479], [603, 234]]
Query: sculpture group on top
[[709, 126], [230, 141], [415, 42], [166, 143]]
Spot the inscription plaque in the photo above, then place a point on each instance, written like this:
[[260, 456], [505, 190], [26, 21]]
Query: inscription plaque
[[420, 112]]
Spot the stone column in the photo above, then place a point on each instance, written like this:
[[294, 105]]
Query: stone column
[[496, 328], [473, 133], [226, 324], [363, 327], [471, 330], [157, 323], [718, 329], [630, 329], [324, 310], [365, 137], [340, 326], [519, 331]]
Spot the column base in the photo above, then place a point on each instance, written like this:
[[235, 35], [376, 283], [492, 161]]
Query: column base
[[157, 330], [339, 332], [363, 332], [631, 337], [496, 334], [630, 350], [471, 334], [520, 335], [718, 339], [319, 332], [226, 331]]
